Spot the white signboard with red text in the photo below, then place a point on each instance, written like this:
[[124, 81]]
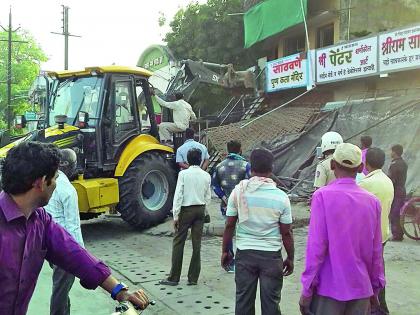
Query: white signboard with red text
[[287, 73], [346, 61], [399, 50]]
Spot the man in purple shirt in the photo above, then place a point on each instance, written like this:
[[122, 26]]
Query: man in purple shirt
[[28, 235], [344, 268], [366, 143]]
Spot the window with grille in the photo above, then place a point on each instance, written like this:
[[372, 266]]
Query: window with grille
[[325, 36], [294, 45]]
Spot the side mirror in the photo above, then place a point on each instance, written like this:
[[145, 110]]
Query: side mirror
[[41, 122], [20, 122]]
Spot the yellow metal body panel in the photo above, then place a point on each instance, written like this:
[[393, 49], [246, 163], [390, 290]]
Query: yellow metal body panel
[[137, 146], [68, 73], [55, 131], [105, 69], [64, 142], [97, 195], [6, 148], [49, 132]]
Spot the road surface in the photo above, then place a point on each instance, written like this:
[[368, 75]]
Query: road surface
[[141, 259]]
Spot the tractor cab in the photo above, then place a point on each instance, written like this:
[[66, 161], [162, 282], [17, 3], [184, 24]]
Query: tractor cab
[[100, 104]]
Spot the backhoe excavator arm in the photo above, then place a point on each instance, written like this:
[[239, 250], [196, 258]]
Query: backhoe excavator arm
[[193, 73]]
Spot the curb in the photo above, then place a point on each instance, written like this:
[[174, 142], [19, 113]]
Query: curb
[[217, 228], [214, 229]]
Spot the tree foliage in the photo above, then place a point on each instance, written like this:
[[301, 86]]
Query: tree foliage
[[207, 32], [26, 59]]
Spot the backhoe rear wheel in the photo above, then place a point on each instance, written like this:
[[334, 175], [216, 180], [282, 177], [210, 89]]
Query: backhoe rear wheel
[[147, 190]]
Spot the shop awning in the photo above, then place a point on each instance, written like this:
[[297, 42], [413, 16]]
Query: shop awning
[[271, 17]]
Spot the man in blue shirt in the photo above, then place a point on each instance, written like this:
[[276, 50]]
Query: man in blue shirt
[[190, 143], [63, 207]]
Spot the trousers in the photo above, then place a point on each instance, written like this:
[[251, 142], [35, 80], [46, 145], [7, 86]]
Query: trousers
[[394, 215], [189, 217], [322, 305], [383, 307], [62, 283], [266, 267], [166, 129]]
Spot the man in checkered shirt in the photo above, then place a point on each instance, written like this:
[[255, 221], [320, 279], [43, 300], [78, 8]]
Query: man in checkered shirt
[[227, 175]]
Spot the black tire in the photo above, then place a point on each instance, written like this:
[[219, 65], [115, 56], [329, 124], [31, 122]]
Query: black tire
[[147, 190]]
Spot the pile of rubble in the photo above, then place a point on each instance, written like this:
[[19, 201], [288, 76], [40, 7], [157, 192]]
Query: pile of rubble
[[284, 121], [293, 132]]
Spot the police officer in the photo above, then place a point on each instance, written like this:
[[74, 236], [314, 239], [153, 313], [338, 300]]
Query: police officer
[[324, 175]]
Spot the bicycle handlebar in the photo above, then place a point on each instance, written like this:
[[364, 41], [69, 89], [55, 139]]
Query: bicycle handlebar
[[127, 308]]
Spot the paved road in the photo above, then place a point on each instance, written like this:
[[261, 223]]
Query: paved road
[[143, 259]]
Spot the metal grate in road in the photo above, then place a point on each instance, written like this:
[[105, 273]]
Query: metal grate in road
[[191, 299], [144, 260]]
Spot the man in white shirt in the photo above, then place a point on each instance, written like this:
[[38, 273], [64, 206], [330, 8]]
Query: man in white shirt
[[63, 207], [192, 194], [182, 114]]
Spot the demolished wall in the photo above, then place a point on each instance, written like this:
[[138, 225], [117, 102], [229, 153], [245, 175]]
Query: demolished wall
[[388, 122]]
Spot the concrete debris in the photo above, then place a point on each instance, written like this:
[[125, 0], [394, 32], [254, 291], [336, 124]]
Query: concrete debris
[[281, 122]]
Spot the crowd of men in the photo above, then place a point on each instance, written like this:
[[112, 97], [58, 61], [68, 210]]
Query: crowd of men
[[344, 269], [337, 211]]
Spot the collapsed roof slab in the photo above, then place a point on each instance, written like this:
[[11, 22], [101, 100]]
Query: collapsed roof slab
[[284, 121]]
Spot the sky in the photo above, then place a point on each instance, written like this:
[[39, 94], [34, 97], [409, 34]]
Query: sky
[[112, 31]]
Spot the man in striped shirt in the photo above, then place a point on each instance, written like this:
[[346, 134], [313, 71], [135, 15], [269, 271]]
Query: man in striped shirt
[[262, 216]]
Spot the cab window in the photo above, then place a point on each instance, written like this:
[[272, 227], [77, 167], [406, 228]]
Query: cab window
[[123, 105]]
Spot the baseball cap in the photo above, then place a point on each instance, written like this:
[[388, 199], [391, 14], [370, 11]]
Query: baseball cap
[[348, 155]]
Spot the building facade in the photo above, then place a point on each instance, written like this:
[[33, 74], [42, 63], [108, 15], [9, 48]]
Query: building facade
[[334, 22]]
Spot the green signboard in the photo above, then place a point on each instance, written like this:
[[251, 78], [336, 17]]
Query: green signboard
[[155, 57], [272, 17], [30, 116]]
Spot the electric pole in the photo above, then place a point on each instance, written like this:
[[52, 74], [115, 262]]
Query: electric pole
[[9, 41], [66, 35]]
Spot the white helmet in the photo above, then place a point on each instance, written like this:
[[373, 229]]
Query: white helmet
[[330, 141]]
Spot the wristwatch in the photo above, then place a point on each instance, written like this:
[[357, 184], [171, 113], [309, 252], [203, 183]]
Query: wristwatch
[[117, 289]]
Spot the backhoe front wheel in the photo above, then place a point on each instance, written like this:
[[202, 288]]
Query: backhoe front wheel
[[146, 190]]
